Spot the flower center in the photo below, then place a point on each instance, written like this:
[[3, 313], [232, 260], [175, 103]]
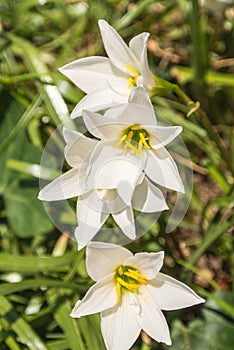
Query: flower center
[[134, 138], [132, 81], [127, 278]]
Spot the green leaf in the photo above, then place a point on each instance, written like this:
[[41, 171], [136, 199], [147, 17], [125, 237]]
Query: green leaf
[[13, 321], [31, 264], [26, 213], [62, 315], [213, 331]]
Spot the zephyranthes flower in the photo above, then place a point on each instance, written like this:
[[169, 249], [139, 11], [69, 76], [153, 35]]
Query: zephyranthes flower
[[132, 129], [130, 293], [105, 184], [107, 81]]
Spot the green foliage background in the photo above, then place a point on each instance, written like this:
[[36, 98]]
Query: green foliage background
[[41, 272]]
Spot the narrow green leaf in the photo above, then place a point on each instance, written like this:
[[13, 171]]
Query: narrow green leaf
[[34, 170], [62, 309], [10, 288], [212, 234], [31, 264], [49, 92], [28, 114], [25, 333]]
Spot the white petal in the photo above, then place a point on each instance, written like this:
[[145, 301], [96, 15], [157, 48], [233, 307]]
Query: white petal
[[115, 111], [148, 198], [103, 258], [77, 148], [90, 220], [148, 264], [170, 294], [161, 168], [147, 75], [109, 167], [125, 220], [118, 324], [140, 97], [162, 135], [125, 191], [151, 319], [137, 114], [65, 186], [98, 100], [138, 43], [103, 127], [117, 50], [101, 296], [90, 73]]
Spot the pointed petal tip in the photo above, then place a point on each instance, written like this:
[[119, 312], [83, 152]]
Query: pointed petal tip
[[102, 22]]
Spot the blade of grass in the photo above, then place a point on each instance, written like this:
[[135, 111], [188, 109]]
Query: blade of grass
[[8, 288], [62, 309], [26, 117], [32, 264], [23, 330], [49, 92]]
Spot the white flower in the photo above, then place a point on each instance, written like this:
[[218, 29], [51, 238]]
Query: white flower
[[130, 293], [107, 81], [132, 129], [105, 184]]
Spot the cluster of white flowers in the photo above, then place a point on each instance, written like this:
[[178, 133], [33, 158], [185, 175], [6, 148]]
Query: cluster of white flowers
[[123, 167]]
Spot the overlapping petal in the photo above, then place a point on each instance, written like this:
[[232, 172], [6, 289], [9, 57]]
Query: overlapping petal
[[77, 148], [101, 296], [161, 168], [109, 256], [170, 294], [125, 220], [148, 263], [117, 50], [119, 326], [89, 73], [148, 198], [152, 320], [161, 136], [98, 100], [63, 187]]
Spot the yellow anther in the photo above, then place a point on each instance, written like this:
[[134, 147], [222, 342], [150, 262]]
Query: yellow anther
[[130, 286], [118, 292], [129, 145], [121, 140], [120, 270], [136, 276], [143, 139], [132, 81], [130, 135], [136, 127], [132, 70], [140, 146]]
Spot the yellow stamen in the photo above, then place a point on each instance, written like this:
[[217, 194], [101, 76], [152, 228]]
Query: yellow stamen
[[132, 70], [143, 139], [121, 140], [129, 145], [118, 292], [136, 276], [132, 81], [140, 146], [120, 270], [130, 286], [136, 127], [130, 135]]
